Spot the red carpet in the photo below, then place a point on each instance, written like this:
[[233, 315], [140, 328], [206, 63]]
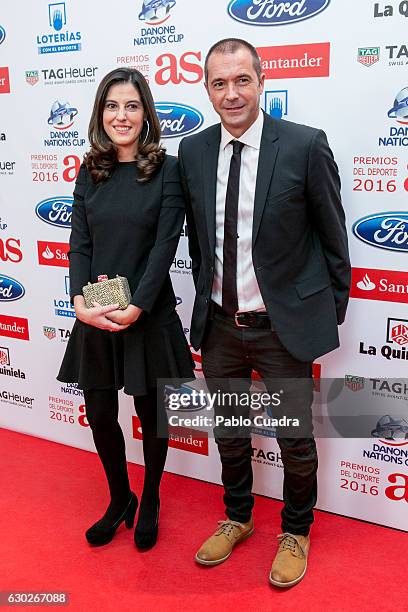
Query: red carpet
[[47, 503]]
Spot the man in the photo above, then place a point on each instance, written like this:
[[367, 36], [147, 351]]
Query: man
[[271, 269]]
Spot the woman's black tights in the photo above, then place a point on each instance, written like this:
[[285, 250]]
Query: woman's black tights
[[102, 413]]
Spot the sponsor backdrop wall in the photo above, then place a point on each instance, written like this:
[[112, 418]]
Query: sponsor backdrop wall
[[339, 65]]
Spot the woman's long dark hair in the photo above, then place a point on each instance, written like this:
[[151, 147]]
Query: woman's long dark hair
[[102, 156]]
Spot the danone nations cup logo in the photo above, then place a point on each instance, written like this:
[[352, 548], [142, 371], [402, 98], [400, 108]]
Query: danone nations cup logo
[[274, 12]]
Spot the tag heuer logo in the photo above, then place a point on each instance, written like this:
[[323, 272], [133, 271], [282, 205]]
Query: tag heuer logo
[[354, 383], [50, 332], [4, 356], [368, 55], [32, 77]]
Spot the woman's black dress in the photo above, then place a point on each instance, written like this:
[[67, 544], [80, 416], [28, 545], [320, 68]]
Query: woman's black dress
[[131, 229]]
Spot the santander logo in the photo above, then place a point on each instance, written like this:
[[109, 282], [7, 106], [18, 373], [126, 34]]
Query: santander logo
[[53, 254], [383, 285], [47, 253]]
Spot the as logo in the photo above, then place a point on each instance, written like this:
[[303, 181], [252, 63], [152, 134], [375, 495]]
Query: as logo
[[176, 71], [399, 489], [72, 164], [156, 11], [2, 34], [274, 12], [10, 250]]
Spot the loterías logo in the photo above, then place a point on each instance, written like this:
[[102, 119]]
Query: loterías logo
[[275, 12]]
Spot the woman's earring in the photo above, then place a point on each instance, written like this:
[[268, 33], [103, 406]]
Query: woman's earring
[[147, 132]]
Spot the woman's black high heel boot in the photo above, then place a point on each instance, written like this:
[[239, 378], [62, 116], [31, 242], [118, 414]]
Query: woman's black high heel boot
[[102, 531], [146, 537]]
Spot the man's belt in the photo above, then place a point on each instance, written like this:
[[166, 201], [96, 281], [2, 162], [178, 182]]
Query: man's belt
[[259, 320]]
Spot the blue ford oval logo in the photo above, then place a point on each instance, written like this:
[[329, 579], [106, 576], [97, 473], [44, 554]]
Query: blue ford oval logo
[[384, 230], [55, 211], [178, 119], [10, 289], [274, 12]]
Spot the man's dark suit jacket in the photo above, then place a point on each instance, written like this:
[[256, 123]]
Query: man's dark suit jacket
[[299, 240]]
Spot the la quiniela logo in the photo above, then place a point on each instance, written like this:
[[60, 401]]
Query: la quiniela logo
[[60, 40]]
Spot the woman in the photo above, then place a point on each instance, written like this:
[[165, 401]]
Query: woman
[[127, 217]]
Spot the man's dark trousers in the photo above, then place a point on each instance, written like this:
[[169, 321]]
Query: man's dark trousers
[[230, 352]]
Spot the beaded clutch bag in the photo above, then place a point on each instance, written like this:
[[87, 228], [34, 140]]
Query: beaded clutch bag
[[108, 291]]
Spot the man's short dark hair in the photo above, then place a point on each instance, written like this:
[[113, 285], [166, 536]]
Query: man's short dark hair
[[230, 45]]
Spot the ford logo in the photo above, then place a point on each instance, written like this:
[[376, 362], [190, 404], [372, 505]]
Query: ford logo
[[384, 230], [55, 211], [10, 289], [177, 119], [274, 12]]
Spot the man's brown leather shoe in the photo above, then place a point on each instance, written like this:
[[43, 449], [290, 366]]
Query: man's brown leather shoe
[[219, 546], [290, 563]]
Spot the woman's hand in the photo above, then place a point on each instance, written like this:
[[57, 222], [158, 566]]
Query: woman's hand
[[125, 317], [96, 316]]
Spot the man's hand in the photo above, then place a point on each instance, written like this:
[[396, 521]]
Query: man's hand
[[96, 316], [125, 317]]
